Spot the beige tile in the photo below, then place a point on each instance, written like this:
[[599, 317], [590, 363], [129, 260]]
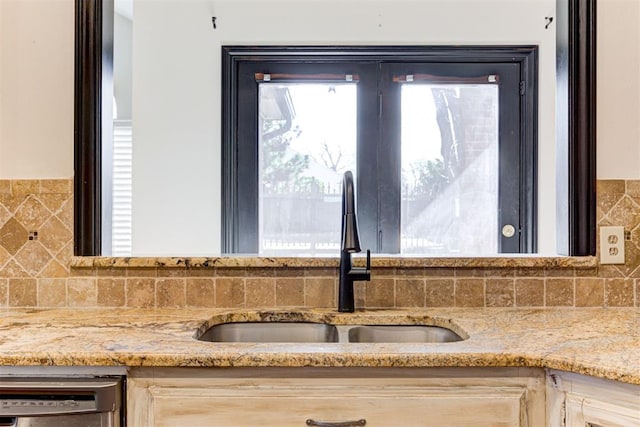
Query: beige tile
[[82, 292], [609, 271], [61, 186], [314, 272], [170, 293], [320, 292], [5, 186], [261, 272], [500, 272], [33, 257], [294, 272], [619, 293], [52, 292], [55, 202], [201, 292], [169, 272], [469, 293], [560, 272], [23, 293], [439, 292], [25, 186], [410, 272], [111, 292], [230, 292], [469, 272], [380, 272], [4, 292], [522, 272], [633, 188], [140, 292], [608, 193], [626, 213], [200, 272], [379, 293], [11, 202], [13, 270], [53, 235], [65, 213], [230, 272], [359, 294], [13, 236], [500, 292], [529, 292], [32, 214], [586, 272], [260, 292], [631, 259], [559, 292], [589, 292], [4, 256], [54, 270], [410, 292], [65, 255], [141, 272], [5, 215], [111, 272], [82, 272], [289, 292], [431, 272]]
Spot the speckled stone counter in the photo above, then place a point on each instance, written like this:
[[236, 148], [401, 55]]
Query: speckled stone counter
[[400, 261], [603, 343]]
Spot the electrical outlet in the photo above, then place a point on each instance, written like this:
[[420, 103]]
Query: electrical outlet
[[612, 245]]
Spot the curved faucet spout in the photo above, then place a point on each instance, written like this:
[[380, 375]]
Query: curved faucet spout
[[350, 238], [350, 244]]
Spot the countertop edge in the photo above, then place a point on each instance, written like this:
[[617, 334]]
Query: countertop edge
[[507, 261]]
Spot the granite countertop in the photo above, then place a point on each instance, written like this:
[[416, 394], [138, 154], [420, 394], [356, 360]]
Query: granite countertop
[[599, 342], [377, 260]]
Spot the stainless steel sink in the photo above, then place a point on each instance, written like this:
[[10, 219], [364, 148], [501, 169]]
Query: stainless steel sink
[[402, 334], [308, 332], [281, 332]]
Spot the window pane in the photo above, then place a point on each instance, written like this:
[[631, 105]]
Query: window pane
[[307, 140], [449, 169]]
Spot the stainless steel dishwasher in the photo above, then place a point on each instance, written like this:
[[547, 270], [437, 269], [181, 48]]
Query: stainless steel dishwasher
[[61, 402]]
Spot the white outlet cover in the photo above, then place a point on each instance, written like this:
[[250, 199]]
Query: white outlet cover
[[612, 245]]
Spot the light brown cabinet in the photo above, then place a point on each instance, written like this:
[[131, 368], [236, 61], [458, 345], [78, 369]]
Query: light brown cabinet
[[580, 401], [313, 396]]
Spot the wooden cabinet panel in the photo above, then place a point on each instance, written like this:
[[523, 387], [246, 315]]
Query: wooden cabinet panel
[[589, 412], [579, 401], [439, 397], [379, 406]]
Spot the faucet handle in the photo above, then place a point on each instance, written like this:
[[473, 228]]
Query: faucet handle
[[368, 260]]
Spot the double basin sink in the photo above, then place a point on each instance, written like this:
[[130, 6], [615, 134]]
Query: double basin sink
[[309, 332]]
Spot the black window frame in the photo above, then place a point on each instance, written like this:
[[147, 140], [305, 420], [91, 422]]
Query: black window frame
[[576, 77], [378, 189]]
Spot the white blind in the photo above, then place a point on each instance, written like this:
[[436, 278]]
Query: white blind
[[122, 187]]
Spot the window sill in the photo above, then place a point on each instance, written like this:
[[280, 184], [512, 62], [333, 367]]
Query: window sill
[[377, 261]]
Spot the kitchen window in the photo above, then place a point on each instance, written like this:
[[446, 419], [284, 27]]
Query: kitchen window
[[441, 140]]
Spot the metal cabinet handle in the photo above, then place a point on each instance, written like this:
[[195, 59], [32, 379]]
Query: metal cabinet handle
[[315, 423]]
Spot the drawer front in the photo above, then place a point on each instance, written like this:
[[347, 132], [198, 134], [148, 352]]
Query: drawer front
[[379, 406]]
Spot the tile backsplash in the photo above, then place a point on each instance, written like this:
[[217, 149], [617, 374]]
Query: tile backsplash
[[36, 246]]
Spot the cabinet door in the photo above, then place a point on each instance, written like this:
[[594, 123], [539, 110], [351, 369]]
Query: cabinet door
[[300, 405], [588, 412]]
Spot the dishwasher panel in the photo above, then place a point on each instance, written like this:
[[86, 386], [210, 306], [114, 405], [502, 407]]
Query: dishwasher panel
[[47, 402]]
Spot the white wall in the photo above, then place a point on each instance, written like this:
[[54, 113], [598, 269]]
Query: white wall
[[618, 132], [176, 99], [36, 88]]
